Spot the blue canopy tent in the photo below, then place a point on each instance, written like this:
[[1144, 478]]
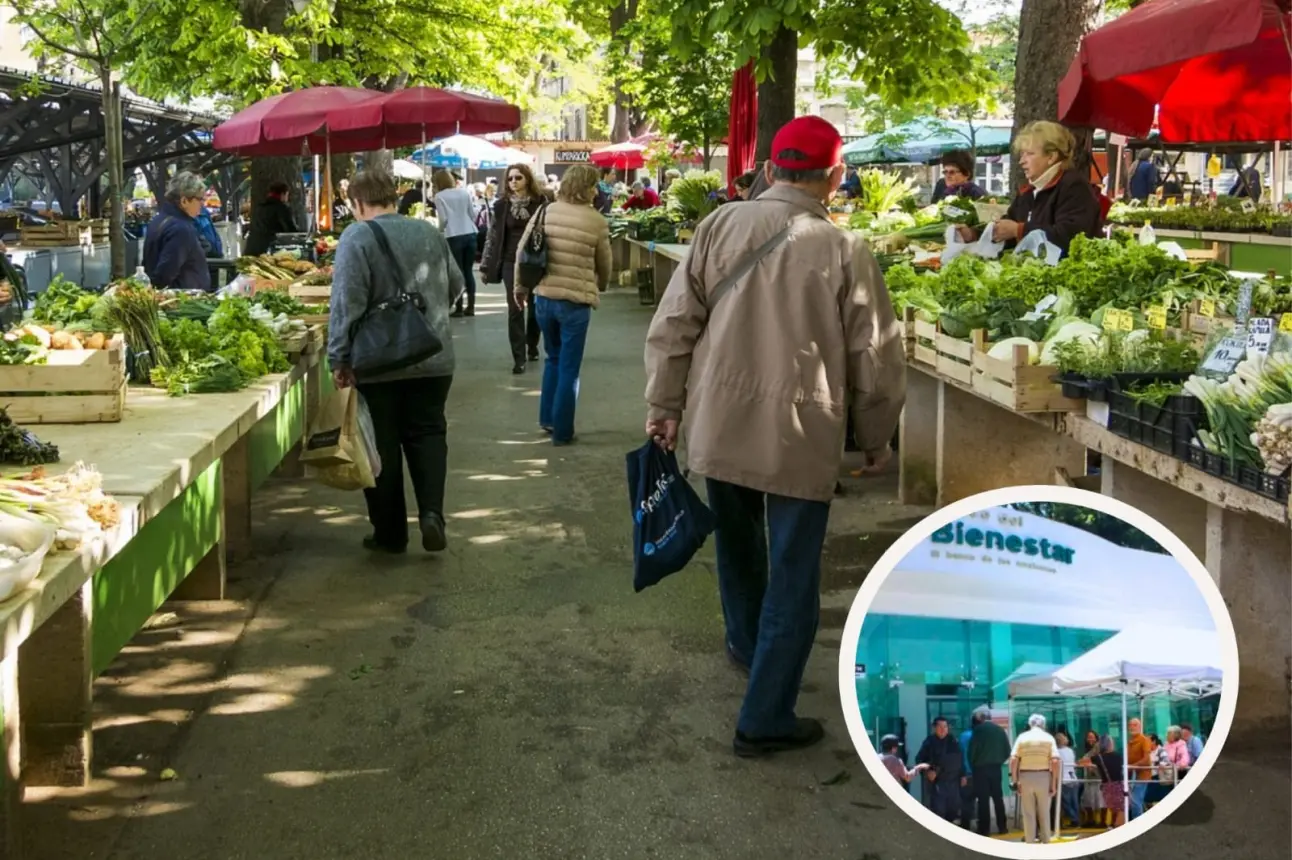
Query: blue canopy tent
[[462, 151]]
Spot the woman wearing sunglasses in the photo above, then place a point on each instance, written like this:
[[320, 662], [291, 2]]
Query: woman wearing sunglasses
[[516, 205]]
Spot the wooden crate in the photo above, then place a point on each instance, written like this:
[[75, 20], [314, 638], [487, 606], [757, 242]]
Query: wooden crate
[[310, 293], [947, 355], [75, 387], [1017, 384], [1199, 327], [63, 233], [313, 319], [304, 343]]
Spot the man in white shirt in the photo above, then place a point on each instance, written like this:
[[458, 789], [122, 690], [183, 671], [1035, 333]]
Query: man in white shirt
[[1034, 767]]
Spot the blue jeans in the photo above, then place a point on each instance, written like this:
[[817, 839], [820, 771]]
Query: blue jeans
[[565, 332], [1137, 791], [769, 575], [1072, 802]]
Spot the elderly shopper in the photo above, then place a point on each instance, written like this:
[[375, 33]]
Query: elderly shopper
[[1035, 767], [989, 751], [173, 256], [380, 253], [578, 270], [1058, 199], [516, 205], [774, 324]]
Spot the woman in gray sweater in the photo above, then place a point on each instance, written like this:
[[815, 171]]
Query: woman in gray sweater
[[407, 405]]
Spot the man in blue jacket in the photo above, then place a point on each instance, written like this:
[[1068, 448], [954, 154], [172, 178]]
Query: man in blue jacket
[[209, 239], [172, 253]]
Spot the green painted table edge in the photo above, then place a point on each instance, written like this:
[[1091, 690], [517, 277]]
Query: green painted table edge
[[274, 435]]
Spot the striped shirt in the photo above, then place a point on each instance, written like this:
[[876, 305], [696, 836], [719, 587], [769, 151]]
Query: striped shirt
[[1035, 749]]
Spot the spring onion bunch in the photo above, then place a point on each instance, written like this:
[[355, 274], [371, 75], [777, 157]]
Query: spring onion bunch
[[73, 503], [1238, 405]]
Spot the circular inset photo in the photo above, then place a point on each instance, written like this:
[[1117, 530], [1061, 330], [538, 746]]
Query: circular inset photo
[[1039, 672]]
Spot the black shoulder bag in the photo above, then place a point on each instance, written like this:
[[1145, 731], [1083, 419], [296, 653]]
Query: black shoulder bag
[[532, 264], [393, 332]]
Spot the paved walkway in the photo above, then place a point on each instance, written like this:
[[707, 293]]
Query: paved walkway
[[512, 698]]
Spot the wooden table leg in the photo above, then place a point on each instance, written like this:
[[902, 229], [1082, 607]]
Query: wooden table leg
[[237, 500], [917, 446], [11, 766], [55, 673]]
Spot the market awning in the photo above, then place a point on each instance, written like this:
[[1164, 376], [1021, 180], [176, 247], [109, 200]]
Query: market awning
[[925, 140], [1210, 70]]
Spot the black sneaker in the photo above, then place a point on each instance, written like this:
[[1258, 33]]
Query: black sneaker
[[469, 312], [433, 538], [457, 312], [807, 732], [533, 356], [518, 368], [370, 543]]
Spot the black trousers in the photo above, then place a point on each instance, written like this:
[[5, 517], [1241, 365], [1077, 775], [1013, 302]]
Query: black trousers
[[522, 323], [463, 249], [989, 791], [408, 420], [966, 802]]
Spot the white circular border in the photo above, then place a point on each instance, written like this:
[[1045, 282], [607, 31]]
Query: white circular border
[[1036, 493]]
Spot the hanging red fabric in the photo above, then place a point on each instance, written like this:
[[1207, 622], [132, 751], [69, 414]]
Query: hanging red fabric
[[1213, 70], [742, 131]]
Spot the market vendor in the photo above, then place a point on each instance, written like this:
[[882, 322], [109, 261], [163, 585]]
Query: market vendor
[[270, 217], [957, 178], [13, 292], [173, 256], [1057, 199], [642, 197]]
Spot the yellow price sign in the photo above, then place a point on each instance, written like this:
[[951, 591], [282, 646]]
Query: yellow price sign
[[1116, 319], [1285, 322], [1156, 317], [1170, 201], [1207, 308]]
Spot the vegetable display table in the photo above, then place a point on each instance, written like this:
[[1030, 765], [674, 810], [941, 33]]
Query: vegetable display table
[[955, 442], [664, 260], [1254, 252], [183, 470]]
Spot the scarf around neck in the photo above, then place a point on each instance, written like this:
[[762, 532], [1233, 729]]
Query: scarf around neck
[[1043, 181], [520, 207]]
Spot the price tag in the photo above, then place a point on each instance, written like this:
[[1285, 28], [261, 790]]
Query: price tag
[[1116, 319], [1226, 355], [954, 212], [1285, 323], [1248, 206], [1046, 303], [1260, 335], [1170, 201], [1207, 308], [1156, 317]]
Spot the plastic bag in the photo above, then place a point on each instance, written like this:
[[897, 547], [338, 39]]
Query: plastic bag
[[341, 449], [1148, 236], [1036, 243], [33, 538], [984, 247], [670, 522], [239, 286]]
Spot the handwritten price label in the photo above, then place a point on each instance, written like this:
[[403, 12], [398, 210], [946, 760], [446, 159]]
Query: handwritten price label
[[1260, 335], [1249, 206], [1226, 355], [1207, 308], [954, 212], [1156, 317], [1118, 320], [1285, 323]]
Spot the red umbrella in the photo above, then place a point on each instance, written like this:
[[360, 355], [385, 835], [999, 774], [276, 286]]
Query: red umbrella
[[1213, 70], [286, 124], [413, 115], [742, 132], [621, 156]]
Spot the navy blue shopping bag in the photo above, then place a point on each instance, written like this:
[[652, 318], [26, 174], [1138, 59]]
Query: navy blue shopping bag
[[670, 522]]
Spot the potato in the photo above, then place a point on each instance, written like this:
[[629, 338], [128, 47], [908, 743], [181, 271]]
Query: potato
[[98, 340], [61, 340]]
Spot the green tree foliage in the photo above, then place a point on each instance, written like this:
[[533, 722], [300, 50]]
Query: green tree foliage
[[690, 101], [1112, 529]]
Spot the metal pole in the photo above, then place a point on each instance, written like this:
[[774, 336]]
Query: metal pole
[[1125, 762]]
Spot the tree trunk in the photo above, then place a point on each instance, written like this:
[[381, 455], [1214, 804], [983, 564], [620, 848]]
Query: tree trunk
[[1049, 32], [114, 145], [776, 95], [621, 16]]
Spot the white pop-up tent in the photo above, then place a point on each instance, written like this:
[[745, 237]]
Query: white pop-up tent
[[1140, 661], [1004, 565]]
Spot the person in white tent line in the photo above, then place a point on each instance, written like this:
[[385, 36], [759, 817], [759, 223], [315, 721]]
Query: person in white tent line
[[1034, 768]]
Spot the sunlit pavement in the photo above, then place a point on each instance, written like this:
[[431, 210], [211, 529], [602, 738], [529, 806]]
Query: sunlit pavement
[[512, 698]]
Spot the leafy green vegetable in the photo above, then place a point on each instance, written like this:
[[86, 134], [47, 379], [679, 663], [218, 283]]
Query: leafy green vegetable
[[63, 302]]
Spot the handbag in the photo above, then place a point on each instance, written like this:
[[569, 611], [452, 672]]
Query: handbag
[[393, 332], [532, 263]]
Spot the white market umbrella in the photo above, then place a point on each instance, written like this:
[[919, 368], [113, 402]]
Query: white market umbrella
[[405, 169], [467, 151]]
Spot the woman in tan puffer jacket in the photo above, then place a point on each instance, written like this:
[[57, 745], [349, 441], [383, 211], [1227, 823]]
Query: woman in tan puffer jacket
[[578, 269]]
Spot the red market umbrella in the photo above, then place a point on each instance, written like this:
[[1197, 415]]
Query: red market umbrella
[[1211, 70], [742, 129], [289, 123], [416, 114], [621, 156]]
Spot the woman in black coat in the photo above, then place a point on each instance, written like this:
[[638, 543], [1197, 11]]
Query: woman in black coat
[[1057, 200]]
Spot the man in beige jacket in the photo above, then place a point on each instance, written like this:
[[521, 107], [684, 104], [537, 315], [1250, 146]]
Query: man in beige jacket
[[776, 321]]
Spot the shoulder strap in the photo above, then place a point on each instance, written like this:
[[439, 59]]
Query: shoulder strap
[[384, 243], [747, 265]]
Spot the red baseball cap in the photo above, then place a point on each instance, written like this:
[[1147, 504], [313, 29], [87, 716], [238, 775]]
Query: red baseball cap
[[812, 136]]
